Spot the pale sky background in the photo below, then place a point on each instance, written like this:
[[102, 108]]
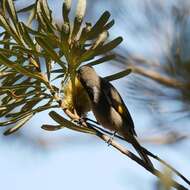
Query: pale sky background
[[72, 160]]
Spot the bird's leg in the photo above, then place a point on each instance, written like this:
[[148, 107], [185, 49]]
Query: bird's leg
[[111, 138]]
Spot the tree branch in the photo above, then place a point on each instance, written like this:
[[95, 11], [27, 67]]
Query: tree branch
[[120, 148], [132, 156]]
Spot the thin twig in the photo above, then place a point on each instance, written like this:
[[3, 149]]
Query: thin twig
[[132, 156], [148, 152], [165, 80], [122, 149]]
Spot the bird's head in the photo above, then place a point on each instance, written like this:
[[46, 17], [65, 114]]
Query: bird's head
[[89, 80]]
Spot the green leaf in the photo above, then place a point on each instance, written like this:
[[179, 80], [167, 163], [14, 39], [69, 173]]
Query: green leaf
[[24, 50], [45, 17], [47, 46], [118, 75], [58, 71], [14, 120], [9, 29], [102, 37], [52, 127], [6, 39], [91, 53], [64, 122], [25, 34], [21, 69], [18, 126], [46, 11], [30, 104], [80, 12], [12, 11], [10, 80], [59, 76], [109, 46], [31, 17], [19, 86], [99, 26], [66, 9], [109, 25], [102, 60]]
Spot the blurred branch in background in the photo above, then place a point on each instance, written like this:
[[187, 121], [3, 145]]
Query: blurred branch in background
[[162, 80]]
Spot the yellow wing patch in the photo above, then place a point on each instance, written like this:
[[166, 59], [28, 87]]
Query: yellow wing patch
[[120, 109]]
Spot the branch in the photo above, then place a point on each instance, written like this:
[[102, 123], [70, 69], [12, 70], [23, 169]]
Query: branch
[[119, 147], [170, 82], [156, 76], [147, 152], [132, 156]]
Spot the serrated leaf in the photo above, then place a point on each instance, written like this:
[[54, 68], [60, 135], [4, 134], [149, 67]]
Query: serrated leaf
[[18, 126], [118, 75]]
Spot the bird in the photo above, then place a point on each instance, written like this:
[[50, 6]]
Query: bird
[[109, 108], [76, 103]]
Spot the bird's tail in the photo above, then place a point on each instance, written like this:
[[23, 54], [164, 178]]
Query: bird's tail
[[139, 149]]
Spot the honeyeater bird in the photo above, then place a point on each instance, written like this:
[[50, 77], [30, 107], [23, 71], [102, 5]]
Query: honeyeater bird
[[109, 108], [80, 102]]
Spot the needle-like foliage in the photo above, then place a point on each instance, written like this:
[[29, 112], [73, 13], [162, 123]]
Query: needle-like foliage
[[36, 53]]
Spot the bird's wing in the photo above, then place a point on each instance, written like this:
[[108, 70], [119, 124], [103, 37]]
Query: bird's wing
[[117, 103]]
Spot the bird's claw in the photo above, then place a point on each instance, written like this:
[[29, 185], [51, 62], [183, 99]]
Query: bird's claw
[[79, 121], [109, 141]]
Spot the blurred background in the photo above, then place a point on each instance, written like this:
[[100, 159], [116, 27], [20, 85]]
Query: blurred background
[[156, 45]]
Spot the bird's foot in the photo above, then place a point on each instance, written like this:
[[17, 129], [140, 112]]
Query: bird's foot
[[84, 119], [79, 121], [111, 138]]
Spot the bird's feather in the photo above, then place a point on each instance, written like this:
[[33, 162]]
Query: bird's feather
[[118, 104]]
